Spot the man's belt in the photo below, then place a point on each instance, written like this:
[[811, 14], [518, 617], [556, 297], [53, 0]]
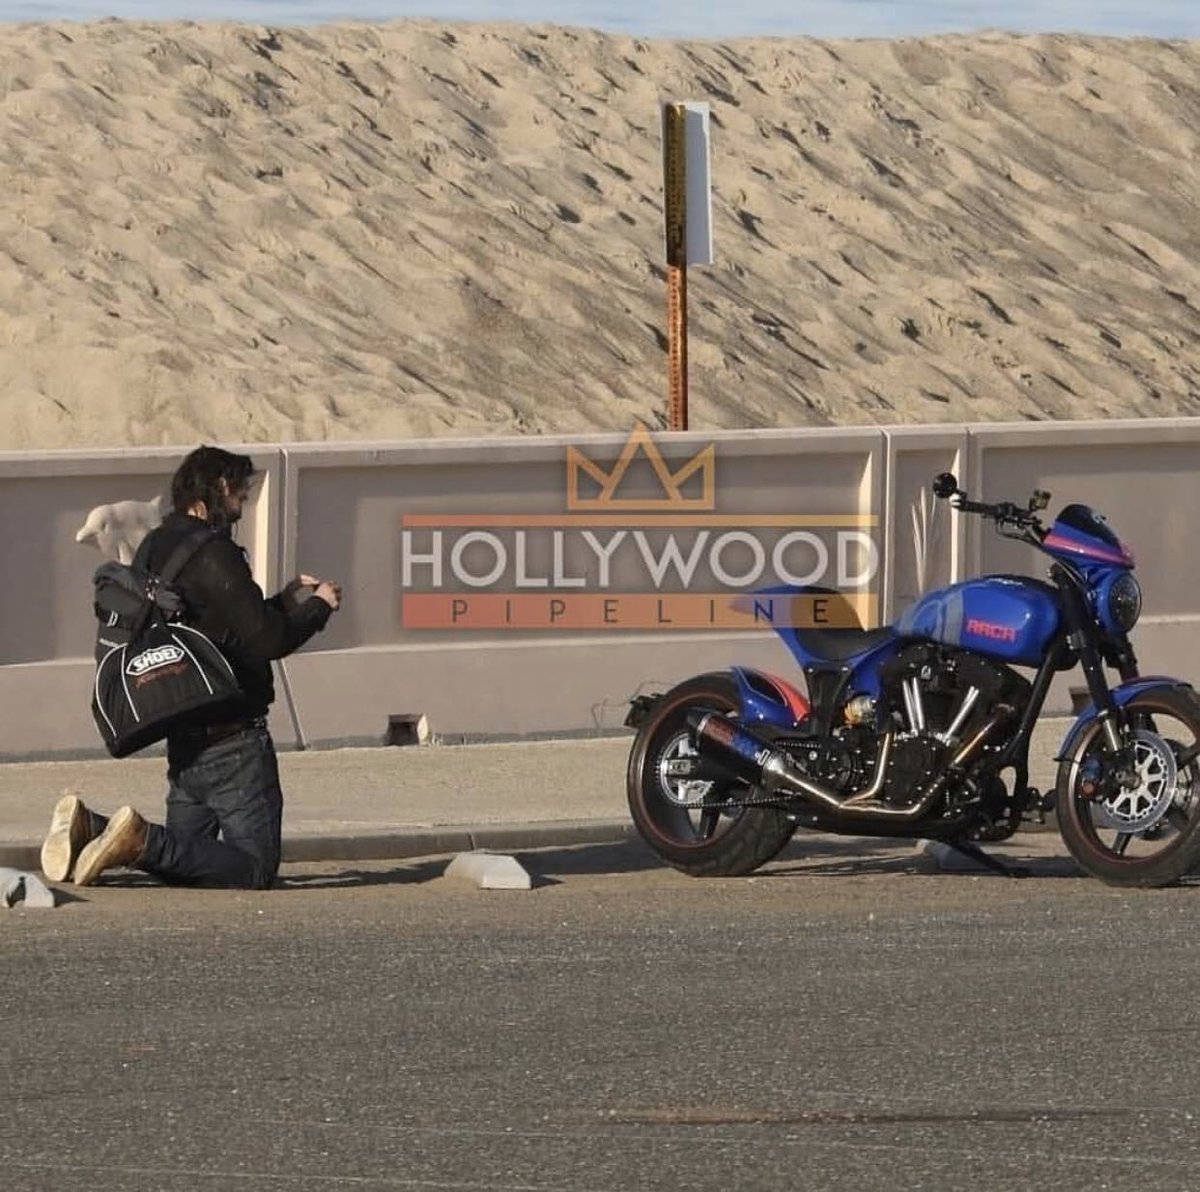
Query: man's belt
[[210, 734], [221, 732]]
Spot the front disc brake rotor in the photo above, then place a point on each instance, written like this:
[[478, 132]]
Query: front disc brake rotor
[[1136, 810]]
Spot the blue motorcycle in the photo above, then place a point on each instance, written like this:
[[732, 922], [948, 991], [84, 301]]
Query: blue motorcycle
[[922, 728]]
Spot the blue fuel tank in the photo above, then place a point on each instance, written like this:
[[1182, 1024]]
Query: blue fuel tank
[[1009, 617]]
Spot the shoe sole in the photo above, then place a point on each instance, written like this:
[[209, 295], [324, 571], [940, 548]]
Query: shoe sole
[[68, 834], [97, 856]]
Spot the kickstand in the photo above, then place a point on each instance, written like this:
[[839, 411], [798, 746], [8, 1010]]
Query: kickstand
[[969, 849]]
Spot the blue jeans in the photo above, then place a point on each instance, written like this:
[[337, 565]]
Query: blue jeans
[[228, 790]]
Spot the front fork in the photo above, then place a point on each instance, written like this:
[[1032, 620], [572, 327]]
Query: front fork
[[1113, 770], [1117, 771]]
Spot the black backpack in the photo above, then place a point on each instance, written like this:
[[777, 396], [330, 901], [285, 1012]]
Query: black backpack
[[152, 669]]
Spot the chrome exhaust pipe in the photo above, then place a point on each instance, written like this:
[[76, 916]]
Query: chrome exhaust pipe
[[760, 764]]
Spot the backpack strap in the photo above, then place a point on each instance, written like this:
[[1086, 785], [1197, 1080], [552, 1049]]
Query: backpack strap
[[176, 560], [183, 551]]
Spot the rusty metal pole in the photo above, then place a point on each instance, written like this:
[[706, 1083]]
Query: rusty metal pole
[[677, 355], [675, 206]]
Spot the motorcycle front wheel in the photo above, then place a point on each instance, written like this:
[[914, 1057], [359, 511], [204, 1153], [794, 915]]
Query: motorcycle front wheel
[[684, 818], [1148, 835]]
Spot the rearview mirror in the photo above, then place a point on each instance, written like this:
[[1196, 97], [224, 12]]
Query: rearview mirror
[[1039, 500], [945, 485]]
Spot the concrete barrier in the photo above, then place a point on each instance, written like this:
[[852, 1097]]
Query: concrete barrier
[[585, 631]]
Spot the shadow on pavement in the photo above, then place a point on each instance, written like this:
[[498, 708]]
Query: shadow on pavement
[[546, 867], [590, 859], [407, 874], [910, 862], [809, 855]]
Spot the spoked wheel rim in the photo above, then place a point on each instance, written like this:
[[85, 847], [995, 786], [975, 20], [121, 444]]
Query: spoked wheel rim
[[1149, 821]]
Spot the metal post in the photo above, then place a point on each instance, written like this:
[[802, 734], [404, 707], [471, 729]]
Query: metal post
[[677, 360]]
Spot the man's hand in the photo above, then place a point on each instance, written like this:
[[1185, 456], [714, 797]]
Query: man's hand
[[326, 589], [293, 592], [300, 581], [330, 592]]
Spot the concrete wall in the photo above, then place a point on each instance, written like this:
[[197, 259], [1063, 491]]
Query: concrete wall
[[342, 511]]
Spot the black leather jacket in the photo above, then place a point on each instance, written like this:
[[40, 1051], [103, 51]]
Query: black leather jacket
[[225, 603]]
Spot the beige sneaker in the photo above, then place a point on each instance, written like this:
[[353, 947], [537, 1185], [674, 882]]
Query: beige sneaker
[[121, 843], [70, 830]]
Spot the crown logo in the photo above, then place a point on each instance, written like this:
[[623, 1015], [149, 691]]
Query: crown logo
[[640, 442]]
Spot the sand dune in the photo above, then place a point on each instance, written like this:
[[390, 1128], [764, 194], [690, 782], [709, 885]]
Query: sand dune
[[368, 232]]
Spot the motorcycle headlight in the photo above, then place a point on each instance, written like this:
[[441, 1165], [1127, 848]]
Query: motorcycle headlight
[[1124, 602]]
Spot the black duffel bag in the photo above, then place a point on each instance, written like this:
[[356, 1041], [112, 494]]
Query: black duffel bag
[[152, 669]]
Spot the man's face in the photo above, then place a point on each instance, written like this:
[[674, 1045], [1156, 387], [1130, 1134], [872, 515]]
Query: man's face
[[235, 496]]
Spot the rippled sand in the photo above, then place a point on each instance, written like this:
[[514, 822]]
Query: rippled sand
[[369, 232]]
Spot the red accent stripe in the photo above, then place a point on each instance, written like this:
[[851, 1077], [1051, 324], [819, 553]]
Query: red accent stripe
[[1095, 552], [797, 704]]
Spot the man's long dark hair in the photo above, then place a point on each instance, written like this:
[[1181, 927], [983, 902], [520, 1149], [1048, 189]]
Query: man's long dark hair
[[199, 478]]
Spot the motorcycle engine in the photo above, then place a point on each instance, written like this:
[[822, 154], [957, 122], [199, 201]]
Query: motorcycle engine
[[937, 698]]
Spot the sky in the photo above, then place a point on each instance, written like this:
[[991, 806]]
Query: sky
[[674, 18]]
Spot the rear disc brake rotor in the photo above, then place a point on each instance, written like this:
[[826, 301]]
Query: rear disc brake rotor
[[676, 765], [1136, 810]]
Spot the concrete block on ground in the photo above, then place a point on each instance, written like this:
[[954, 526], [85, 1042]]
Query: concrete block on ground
[[489, 871], [16, 886], [12, 885], [947, 859]]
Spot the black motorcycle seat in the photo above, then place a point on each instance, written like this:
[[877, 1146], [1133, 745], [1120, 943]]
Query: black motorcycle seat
[[838, 645]]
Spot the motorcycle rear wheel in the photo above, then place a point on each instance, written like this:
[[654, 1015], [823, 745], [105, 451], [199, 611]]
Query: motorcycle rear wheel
[[1149, 836], [670, 816]]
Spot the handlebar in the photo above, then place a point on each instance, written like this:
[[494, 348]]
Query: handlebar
[[1004, 511], [965, 506], [1007, 516]]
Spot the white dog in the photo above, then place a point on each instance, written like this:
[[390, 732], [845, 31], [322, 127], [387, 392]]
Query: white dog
[[116, 530]]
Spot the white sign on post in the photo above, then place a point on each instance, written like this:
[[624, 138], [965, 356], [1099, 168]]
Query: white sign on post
[[699, 246]]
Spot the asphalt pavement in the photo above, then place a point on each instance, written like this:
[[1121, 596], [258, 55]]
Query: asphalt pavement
[[853, 1015], [848, 1017]]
